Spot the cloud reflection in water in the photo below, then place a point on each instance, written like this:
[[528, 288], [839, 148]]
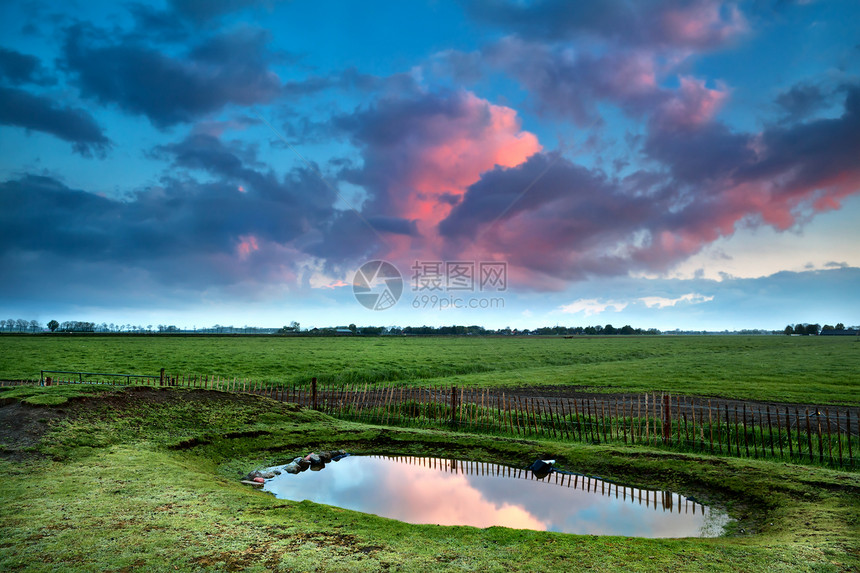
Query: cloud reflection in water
[[450, 492]]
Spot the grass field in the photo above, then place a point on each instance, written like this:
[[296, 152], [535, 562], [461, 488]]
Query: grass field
[[148, 479], [817, 370]]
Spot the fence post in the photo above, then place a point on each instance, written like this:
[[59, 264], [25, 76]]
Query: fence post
[[453, 406], [667, 419], [314, 392]]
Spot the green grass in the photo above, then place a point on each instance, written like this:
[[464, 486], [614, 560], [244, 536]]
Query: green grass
[[820, 370], [55, 396], [148, 480]]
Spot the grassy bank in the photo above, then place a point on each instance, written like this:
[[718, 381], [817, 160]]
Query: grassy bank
[[820, 370], [148, 479]]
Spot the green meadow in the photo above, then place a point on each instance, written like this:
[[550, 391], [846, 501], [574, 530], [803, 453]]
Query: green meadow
[[142, 479], [819, 370]]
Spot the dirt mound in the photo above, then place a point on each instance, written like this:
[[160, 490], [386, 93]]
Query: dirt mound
[[22, 425]]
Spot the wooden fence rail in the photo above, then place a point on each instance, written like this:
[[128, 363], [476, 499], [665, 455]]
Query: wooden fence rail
[[825, 435]]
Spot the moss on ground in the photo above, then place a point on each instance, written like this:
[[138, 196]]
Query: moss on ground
[[148, 479]]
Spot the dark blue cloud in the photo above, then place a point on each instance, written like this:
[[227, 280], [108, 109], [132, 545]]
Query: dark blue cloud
[[22, 109], [801, 101], [707, 153], [184, 232], [17, 68], [228, 68], [553, 216], [812, 153]]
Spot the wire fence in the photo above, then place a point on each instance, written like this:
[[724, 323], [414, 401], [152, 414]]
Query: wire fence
[[828, 435]]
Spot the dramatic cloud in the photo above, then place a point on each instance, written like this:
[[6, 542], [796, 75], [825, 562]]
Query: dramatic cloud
[[420, 154], [566, 221], [22, 109], [228, 68], [574, 141]]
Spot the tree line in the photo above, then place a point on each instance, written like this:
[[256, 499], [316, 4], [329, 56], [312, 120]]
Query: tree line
[[32, 326], [812, 329]]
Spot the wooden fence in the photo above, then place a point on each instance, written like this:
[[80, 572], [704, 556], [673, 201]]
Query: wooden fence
[[827, 435]]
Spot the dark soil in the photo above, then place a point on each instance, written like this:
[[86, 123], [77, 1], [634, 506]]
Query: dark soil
[[21, 428], [23, 425]]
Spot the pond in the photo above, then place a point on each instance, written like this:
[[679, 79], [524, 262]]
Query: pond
[[451, 492]]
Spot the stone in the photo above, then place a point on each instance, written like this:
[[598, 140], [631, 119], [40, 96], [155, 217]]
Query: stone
[[292, 468], [314, 459]]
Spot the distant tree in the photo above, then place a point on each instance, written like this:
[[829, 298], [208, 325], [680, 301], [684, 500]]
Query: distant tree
[[840, 326], [789, 330], [293, 327], [812, 329], [353, 328], [799, 329], [609, 329]]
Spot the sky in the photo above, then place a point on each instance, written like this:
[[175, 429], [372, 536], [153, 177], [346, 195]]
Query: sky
[[687, 165]]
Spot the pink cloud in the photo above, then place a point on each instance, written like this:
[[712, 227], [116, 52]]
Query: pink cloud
[[419, 491], [247, 245], [575, 223], [420, 157], [702, 24], [692, 105], [460, 147]]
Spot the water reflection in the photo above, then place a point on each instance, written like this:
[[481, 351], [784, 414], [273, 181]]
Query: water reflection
[[452, 492]]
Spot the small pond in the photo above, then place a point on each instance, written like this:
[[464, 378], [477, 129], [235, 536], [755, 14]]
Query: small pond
[[451, 492]]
